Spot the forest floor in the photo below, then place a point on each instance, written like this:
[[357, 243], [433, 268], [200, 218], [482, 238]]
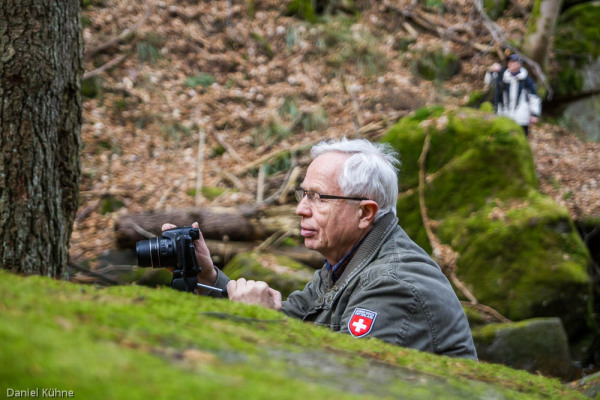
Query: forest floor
[[239, 82]]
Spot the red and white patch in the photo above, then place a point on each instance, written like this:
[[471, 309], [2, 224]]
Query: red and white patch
[[361, 322]]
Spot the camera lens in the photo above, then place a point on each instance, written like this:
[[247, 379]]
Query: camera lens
[[156, 253]]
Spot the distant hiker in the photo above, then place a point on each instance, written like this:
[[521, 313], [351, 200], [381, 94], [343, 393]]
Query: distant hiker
[[515, 95], [376, 282]]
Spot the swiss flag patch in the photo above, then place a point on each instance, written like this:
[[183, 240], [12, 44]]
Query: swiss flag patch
[[361, 322]]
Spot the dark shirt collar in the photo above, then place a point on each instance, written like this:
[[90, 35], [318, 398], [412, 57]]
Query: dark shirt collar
[[337, 269]]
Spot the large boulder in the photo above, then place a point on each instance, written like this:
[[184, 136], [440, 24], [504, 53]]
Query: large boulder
[[577, 48], [133, 342], [537, 345], [519, 250]]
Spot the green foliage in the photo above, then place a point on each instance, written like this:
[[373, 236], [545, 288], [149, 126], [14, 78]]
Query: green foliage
[[495, 8], [110, 204], [93, 3], [208, 192], [90, 87], [303, 9], [264, 44], [163, 344], [313, 10], [178, 133], [148, 49], [433, 4], [202, 79], [437, 65]]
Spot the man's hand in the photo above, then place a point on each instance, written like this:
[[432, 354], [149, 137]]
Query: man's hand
[[533, 120], [208, 275], [252, 292]]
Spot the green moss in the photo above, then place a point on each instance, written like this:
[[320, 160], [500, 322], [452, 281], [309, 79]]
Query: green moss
[[212, 192], [523, 258], [139, 343], [577, 43], [519, 251], [537, 345]]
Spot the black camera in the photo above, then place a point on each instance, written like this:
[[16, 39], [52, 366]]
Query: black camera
[[175, 249]]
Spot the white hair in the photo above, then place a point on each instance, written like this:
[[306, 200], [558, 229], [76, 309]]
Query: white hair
[[371, 171]]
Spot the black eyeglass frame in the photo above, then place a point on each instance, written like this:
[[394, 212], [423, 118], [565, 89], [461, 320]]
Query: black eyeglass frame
[[323, 196]]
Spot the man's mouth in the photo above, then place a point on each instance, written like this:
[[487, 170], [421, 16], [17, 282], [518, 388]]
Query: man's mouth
[[307, 232]]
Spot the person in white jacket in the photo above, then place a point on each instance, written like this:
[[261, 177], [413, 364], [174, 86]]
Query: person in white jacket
[[515, 95]]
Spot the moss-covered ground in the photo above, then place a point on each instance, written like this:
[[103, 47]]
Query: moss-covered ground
[[133, 342]]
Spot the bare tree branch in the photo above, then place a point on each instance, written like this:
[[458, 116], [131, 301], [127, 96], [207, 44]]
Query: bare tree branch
[[89, 53], [115, 61]]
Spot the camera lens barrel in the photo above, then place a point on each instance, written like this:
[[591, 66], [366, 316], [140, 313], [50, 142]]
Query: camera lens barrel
[[157, 252]]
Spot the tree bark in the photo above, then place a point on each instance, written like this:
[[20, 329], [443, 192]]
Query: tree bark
[[40, 124], [540, 31]]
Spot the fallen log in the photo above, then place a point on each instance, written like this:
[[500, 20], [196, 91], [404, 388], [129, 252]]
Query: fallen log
[[244, 224]]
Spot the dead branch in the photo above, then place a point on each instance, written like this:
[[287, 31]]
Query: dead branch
[[228, 176], [260, 184], [443, 32], [442, 253], [114, 62], [89, 53], [234, 154], [490, 315], [200, 165], [92, 274]]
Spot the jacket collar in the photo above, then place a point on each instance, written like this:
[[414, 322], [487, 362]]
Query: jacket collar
[[367, 250]]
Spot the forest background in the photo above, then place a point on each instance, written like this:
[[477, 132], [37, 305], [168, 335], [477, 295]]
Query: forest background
[[246, 77]]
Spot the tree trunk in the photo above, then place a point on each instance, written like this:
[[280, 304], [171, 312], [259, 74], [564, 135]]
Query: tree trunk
[[40, 122], [540, 30]]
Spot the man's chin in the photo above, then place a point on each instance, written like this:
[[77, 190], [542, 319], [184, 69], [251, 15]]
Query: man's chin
[[311, 244]]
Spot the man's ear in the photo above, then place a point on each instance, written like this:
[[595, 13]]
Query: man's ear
[[368, 209]]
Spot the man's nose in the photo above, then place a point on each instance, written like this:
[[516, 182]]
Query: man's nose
[[303, 208]]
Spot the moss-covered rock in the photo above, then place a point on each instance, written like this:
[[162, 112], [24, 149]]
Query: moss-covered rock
[[519, 251], [577, 45], [140, 343], [279, 271], [535, 345], [589, 385]]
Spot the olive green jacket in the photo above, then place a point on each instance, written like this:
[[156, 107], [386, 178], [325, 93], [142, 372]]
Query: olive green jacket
[[392, 290]]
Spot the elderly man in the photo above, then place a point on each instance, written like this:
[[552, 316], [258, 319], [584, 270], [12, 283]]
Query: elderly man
[[376, 282]]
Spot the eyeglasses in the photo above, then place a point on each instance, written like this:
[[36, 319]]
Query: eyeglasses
[[316, 198]]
